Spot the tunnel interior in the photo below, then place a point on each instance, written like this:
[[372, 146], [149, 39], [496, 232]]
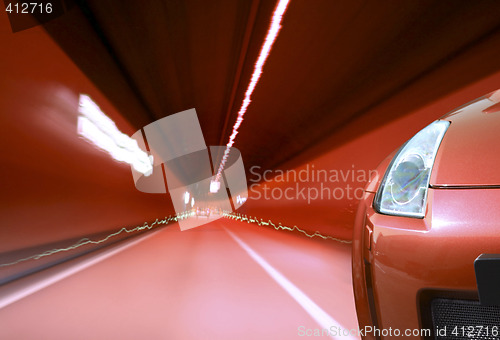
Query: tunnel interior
[[84, 253]]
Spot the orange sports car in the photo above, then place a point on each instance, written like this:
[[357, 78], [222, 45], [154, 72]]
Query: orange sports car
[[426, 247]]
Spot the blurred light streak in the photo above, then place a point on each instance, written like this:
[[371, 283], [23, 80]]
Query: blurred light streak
[[95, 126], [22, 290], [261, 222], [272, 33], [86, 241]]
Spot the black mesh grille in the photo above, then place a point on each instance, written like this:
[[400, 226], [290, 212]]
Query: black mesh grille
[[465, 319]]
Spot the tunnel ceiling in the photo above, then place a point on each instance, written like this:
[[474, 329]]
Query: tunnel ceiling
[[332, 63]]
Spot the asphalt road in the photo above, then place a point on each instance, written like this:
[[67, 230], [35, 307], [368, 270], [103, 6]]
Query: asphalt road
[[223, 280]]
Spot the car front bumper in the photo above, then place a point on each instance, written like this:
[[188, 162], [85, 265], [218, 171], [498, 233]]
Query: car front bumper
[[401, 264]]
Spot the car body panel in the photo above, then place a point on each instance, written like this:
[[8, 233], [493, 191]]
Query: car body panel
[[398, 262], [408, 255], [469, 152]]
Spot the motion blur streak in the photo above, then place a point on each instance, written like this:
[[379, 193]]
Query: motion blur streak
[[85, 241], [245, 218], [315, 311], [36, 285], [272, 33], [96, 127], [157, 223]]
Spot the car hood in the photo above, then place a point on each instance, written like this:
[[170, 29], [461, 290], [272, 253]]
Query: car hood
[[469, 155]]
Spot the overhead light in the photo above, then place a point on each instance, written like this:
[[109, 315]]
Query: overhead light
[[214, 186], [101, 130], [272, 33]]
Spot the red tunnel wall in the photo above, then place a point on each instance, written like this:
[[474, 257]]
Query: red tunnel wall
[[55, 184], [58, 186], [334, 215]]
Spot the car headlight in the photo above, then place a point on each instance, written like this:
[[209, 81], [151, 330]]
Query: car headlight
[[403, 191]]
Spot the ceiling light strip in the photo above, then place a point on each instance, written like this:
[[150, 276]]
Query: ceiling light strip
[[272, 33]]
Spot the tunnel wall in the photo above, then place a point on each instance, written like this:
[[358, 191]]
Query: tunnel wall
[[327, 203], [55, 184]]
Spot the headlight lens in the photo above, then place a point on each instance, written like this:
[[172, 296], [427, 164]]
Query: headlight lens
[[403, 190]]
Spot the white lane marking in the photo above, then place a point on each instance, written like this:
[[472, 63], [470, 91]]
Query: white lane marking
[[315, 311], [17, 291]]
